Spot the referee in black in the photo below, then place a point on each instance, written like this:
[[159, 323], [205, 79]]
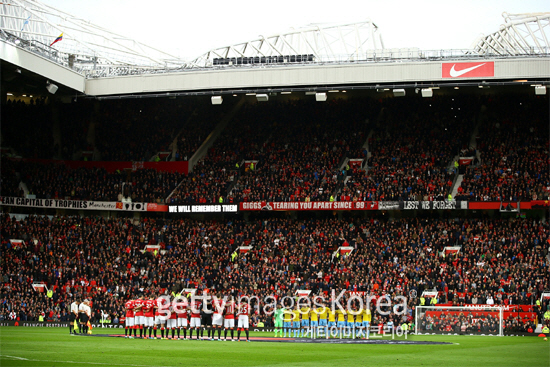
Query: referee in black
[[206, 320], [83, 310], [73, 316]]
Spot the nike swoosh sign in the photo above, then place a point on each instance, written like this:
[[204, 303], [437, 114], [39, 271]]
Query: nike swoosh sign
[[456, 73]]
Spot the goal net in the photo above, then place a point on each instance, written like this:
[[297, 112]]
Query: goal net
[[459, 320]]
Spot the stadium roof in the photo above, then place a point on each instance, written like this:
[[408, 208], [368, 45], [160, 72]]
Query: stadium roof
[[96, 52], [521, 34], [326, 42], [37, 25]]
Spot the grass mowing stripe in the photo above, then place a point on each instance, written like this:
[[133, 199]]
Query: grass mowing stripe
[[75, 362]]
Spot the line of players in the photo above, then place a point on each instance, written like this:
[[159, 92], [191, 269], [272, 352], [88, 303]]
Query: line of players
[[305, 321], [152, 314]]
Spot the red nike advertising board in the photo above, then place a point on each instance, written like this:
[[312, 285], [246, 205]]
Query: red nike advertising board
[[467, 69]]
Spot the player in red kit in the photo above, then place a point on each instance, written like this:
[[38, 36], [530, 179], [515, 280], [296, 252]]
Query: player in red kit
[[181, 311], [217, 317], [172, 322], [195, 324], [149, 316], [138, 315], [129, 306], [229, 319], [242, 313], [161, 314]]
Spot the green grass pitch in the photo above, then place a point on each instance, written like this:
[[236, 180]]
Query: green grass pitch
[[54, 347]]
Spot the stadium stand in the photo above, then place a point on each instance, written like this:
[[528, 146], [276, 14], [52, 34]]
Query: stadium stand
[[301, 163], [301, 151], [105, 259], [413, 145], [113, 130], [30, 129], [414, 148], [513, 148], [57, 181]]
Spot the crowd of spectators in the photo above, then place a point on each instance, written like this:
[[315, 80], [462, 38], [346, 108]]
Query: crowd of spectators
[[213, 175], [104, 259], [303, 164], [75, 122], [472, 322], [413, 149], [137, 129], [115, 130], [196, 128], [297, 147], [58, 181], [9, 183], [513, 143], [28, 128]]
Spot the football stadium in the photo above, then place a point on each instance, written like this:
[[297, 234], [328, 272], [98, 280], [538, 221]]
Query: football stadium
[[306, 198]]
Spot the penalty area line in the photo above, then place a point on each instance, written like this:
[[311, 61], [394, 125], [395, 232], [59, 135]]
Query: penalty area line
[[78, 362]]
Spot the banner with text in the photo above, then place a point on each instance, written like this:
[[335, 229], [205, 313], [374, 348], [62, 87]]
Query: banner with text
[[429, 205], [221, 208], [317, 205], [73, 204]]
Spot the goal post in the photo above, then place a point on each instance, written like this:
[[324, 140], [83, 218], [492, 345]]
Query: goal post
[[462, 320]]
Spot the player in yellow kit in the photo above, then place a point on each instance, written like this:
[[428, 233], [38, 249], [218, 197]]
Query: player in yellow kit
[[350, 322], [366, 320], [359, 323], [287, 321], [296, 322], [305, 311], [314, 321], [331, 318], [323, 316]]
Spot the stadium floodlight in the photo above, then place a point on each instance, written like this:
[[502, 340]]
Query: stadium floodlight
[[427, 92], [217, 99], [399, 92], [52, 88], [540, 90], [262, 97], [320, 97]]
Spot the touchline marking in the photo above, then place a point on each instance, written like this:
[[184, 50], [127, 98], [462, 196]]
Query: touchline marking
[[456, 73], [98, 363], [13, 357]]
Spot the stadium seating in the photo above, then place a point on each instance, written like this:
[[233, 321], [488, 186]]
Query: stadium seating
[[105, 259], [115, 130], [411, 150], [513, 148], [301, 163], [57, 181]]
